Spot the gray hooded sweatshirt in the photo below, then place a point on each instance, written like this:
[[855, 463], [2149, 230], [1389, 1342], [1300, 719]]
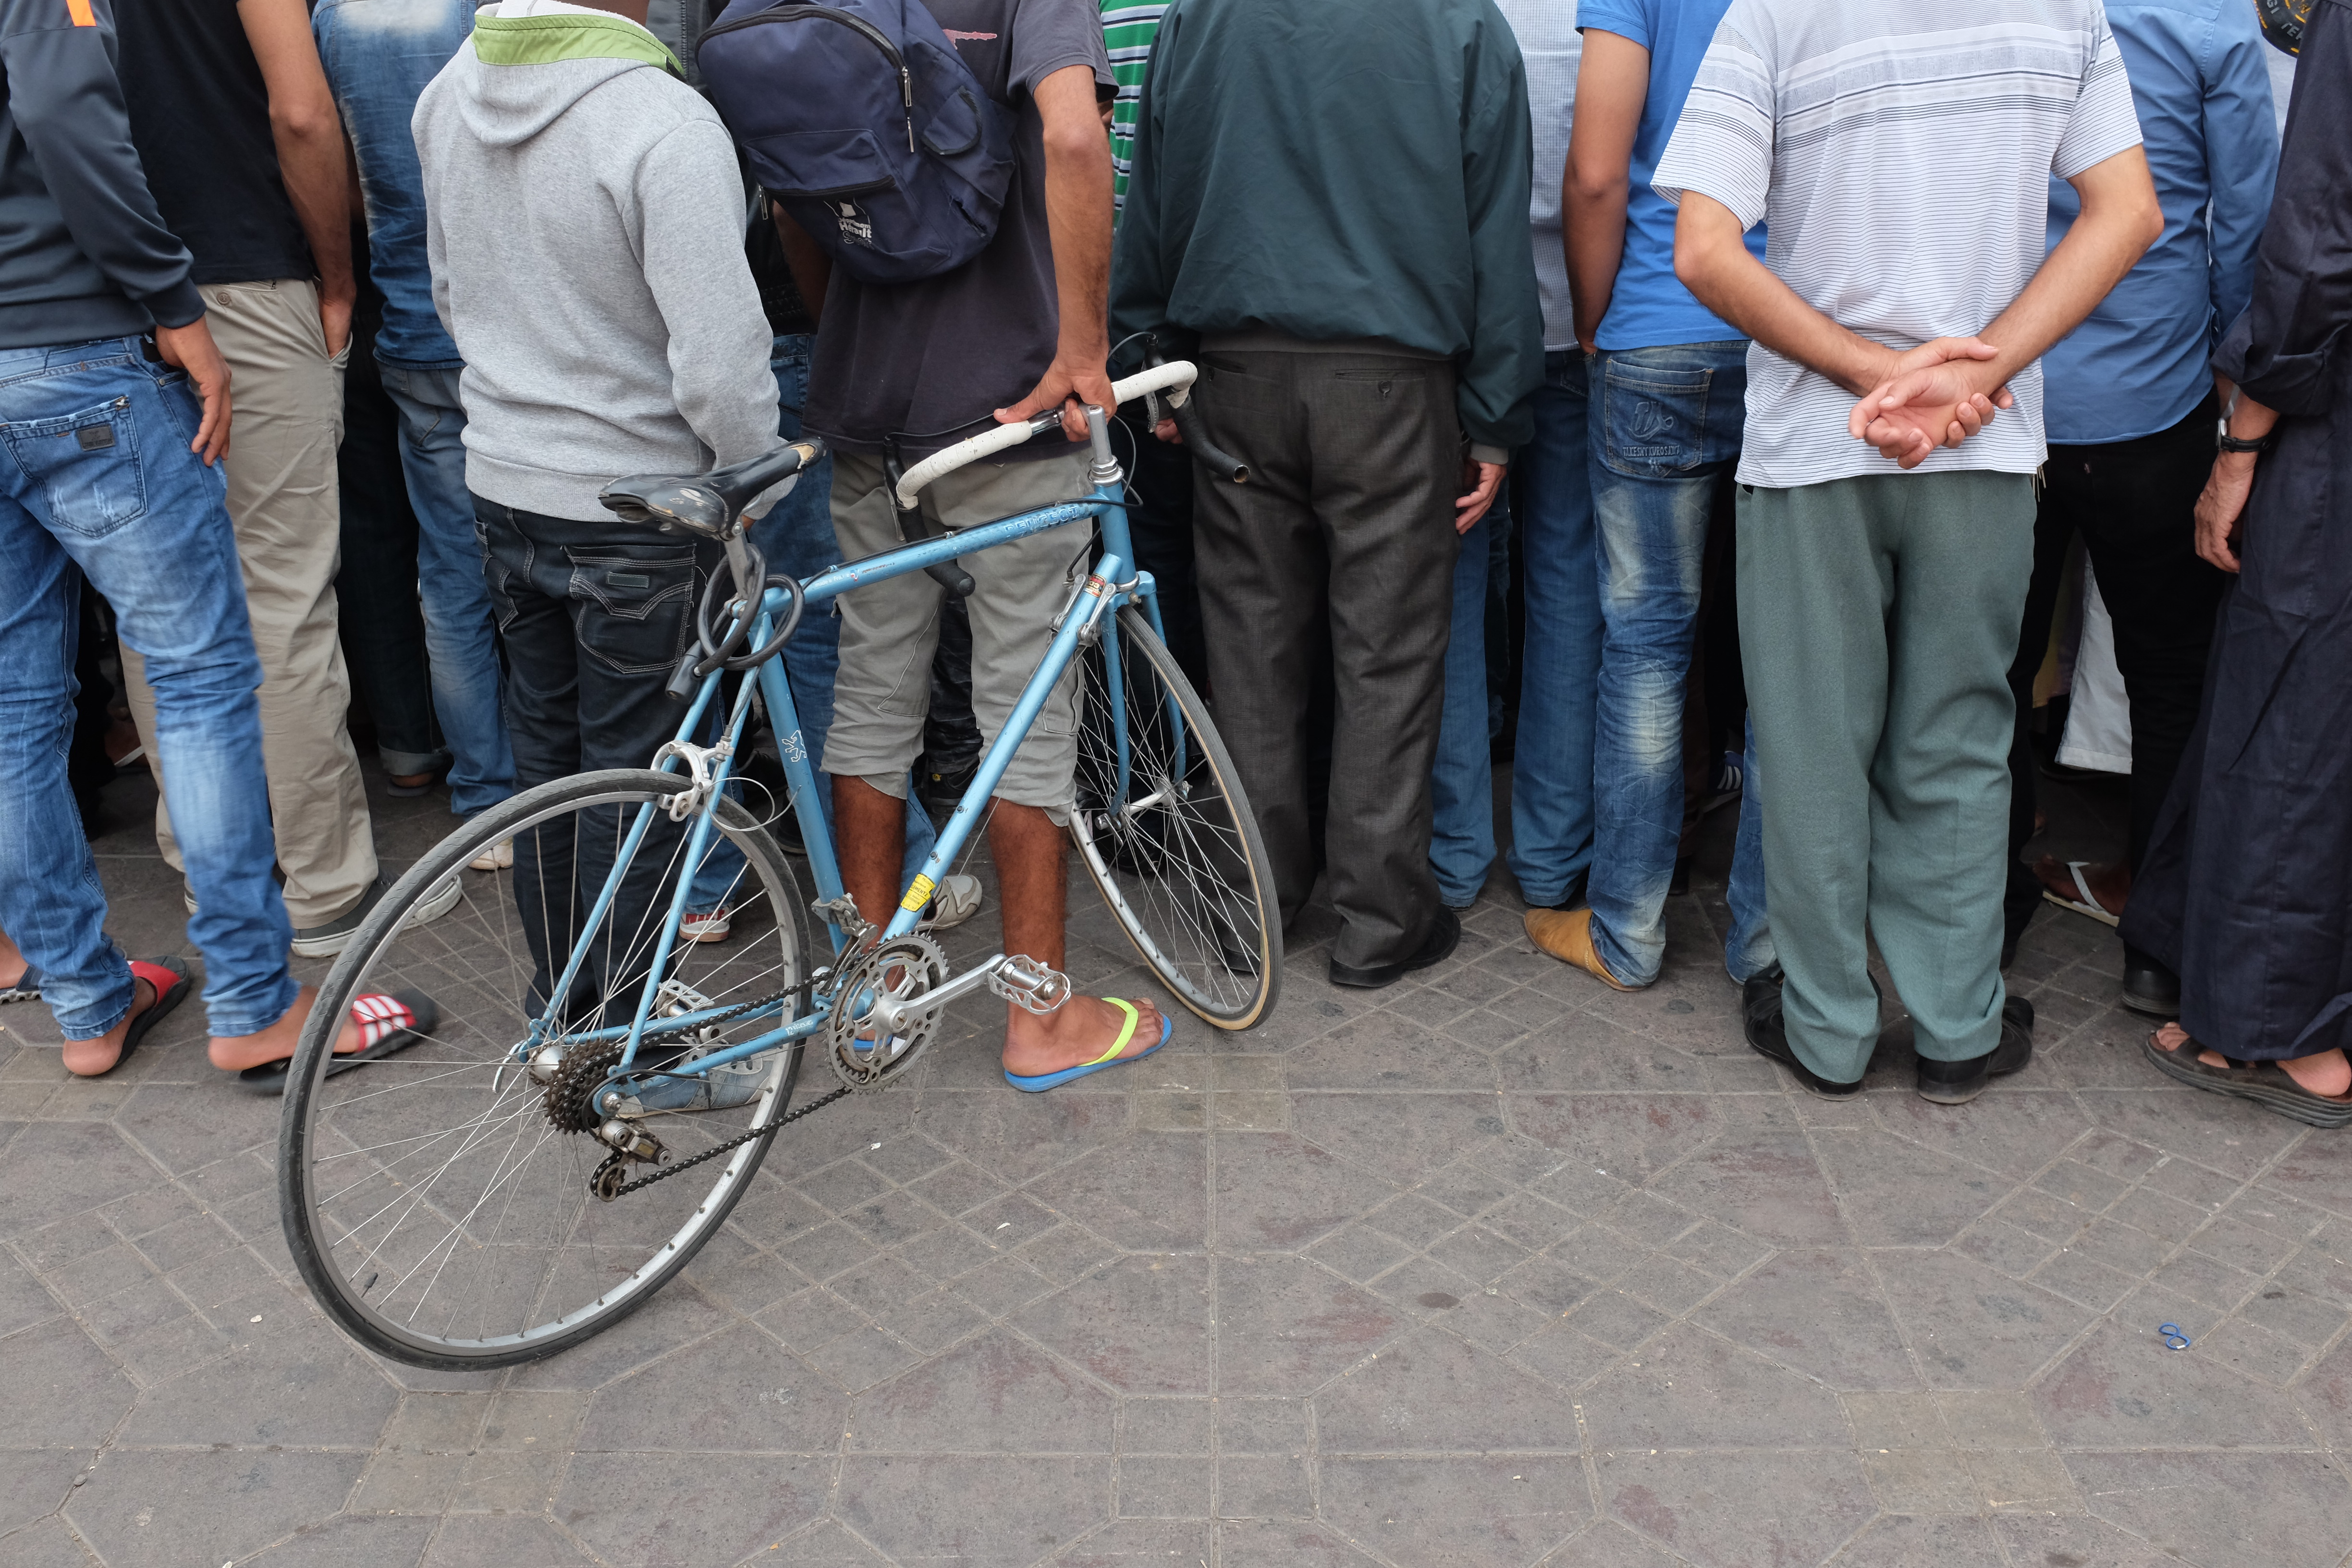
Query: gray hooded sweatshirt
[[584, 220]]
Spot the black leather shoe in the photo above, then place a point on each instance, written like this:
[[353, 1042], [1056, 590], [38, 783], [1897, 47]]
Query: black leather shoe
[[1445, 936], [2149, 988], [1957, 1083], [1767, 1035]]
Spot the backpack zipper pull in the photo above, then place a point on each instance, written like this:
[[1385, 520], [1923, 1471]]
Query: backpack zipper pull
[[906, 97]]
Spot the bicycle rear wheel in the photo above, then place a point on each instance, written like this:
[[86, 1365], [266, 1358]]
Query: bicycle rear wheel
[[1165, 832], [438, 1201]]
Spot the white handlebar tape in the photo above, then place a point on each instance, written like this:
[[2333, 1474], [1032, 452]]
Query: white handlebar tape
[[1175, 378]]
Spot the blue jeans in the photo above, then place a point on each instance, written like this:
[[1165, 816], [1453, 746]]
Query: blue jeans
[[1664, 440], [100, 480], [460, 644], [1462, 782], [796, 536], [1747, 949], [1551, 770]]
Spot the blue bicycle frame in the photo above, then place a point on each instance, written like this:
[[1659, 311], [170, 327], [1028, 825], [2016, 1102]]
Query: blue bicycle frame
[[1099, 594]]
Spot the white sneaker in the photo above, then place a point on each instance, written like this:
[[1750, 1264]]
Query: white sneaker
[[499, 857], [705, 925], [956, 901]]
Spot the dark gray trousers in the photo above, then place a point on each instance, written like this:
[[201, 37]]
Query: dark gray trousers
[[1338, 554]]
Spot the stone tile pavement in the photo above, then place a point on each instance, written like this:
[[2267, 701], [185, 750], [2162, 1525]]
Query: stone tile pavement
[[1496, 1269]]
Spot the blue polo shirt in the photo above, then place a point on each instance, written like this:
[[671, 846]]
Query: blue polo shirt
[[1649, 307], [2142, 361]]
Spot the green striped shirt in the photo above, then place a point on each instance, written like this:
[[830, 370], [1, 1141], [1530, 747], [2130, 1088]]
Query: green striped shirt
[[1129, 29]]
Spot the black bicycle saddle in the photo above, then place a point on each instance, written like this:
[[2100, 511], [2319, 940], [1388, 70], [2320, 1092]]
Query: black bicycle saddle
[[707, 504]]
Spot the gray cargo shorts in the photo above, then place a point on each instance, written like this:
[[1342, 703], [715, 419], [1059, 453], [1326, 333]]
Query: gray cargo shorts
[[890, 629]]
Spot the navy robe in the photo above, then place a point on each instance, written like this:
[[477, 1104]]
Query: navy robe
[[2247, 888]]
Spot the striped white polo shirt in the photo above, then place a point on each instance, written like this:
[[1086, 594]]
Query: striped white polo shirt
[[1900, 153]]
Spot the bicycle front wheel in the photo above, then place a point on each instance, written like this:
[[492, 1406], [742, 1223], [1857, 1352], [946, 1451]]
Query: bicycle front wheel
[[438, 1200], [1166, 834]]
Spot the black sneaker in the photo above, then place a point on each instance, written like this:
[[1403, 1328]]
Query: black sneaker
[[1767, 1035], [1731, 772], [1957, 1083]]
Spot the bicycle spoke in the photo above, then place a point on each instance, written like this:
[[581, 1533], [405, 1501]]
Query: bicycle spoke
[[442, 1209]]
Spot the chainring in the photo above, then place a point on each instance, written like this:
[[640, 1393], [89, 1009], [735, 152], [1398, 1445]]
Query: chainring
[[900, 968]]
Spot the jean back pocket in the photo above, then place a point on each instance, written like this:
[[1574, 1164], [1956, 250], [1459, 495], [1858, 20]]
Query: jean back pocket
[[87, 466], [634, 604], [1654, 421]]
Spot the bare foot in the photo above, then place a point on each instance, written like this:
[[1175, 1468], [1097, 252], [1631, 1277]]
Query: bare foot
[[13, 964], [1073, 1035], [2326, 1073], [2109, 882], [2172, 1037], [95, 1058], [236, 1053]]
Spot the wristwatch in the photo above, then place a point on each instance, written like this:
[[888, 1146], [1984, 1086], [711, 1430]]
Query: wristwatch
[[2232, 443]]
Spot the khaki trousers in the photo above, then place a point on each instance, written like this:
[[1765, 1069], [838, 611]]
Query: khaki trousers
[[890, 629], [288, 398]]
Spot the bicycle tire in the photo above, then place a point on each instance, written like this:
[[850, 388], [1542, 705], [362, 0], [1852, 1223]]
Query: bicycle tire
[[310, 1130], [1191, 887]]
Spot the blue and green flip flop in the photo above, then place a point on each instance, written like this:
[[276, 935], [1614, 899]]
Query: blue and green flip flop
[[1109, 1058]]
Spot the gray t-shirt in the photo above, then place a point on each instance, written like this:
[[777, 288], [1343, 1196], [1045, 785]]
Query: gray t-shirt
[[1817, 116], [929, 363], [1553, 50]]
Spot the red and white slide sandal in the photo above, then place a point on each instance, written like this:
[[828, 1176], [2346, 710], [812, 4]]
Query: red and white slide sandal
[[388, 1022]]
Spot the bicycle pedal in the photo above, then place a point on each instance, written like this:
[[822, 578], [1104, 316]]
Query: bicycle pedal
[[842, 912], [1030, 986]]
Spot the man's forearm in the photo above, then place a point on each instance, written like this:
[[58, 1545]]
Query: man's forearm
[[1612, 86], [311, 161], [1595, 241], [1712, 258], [1078, 223], [2120, 220]]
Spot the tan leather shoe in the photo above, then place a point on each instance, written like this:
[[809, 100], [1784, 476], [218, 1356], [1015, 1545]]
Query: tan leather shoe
[[1567, 935]]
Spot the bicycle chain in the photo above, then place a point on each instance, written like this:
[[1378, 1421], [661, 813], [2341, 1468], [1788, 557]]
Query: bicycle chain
[[583, 1073], [613, 1162]]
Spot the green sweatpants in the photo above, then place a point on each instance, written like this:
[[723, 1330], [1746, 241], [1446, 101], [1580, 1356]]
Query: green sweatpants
[[1877, 618]]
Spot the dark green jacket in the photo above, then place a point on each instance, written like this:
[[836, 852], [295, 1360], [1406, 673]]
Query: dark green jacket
[[1348, 170]]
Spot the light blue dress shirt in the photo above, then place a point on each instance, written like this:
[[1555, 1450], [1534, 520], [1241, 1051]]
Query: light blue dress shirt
[[2141, 361]]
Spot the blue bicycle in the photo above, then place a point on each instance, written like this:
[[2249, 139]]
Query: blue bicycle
[[589, 1097]]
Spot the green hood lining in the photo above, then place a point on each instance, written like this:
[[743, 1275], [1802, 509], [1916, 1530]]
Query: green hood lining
[[541, 40]]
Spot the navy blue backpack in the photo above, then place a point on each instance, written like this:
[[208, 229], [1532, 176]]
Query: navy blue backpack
[[860, 120]]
